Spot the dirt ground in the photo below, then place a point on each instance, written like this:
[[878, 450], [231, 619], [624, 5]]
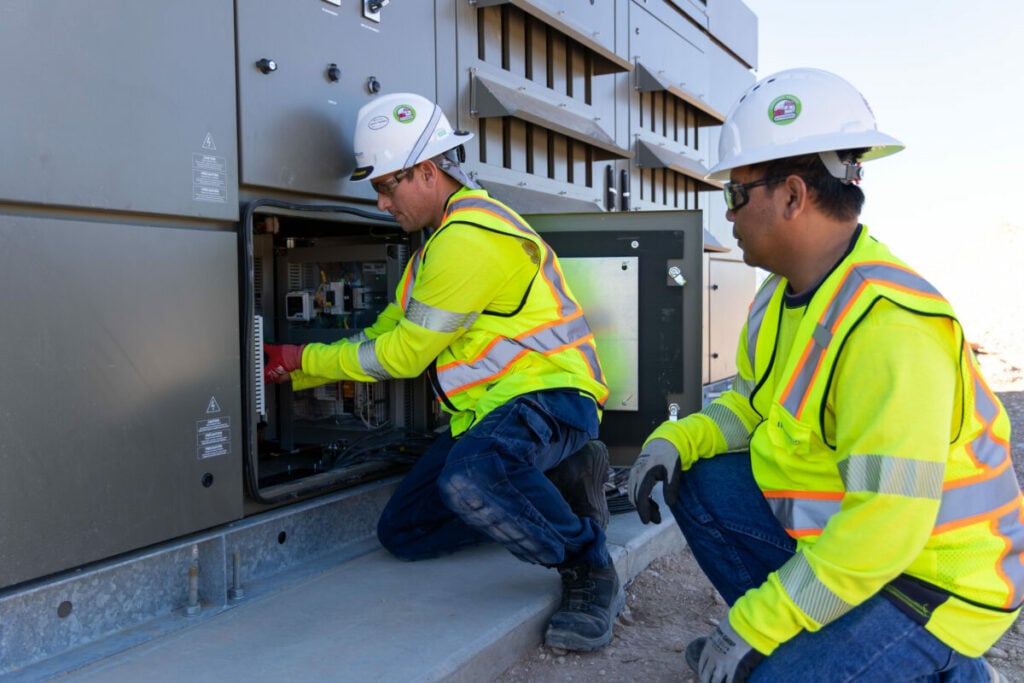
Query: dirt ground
[[670, 603]]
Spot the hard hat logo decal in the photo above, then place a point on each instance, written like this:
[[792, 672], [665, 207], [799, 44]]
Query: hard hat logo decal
[[404, 113], [784, 110], [377, 122]]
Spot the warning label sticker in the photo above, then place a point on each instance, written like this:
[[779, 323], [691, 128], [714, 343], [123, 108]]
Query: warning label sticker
[[213, 437], [209, 178]]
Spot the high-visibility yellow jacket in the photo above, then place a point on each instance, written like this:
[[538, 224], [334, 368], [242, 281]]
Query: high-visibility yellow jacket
[[484, 308], [879, 448]]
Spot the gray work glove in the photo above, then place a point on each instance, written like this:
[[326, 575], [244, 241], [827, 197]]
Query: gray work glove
[[659, 461], [727, 658]]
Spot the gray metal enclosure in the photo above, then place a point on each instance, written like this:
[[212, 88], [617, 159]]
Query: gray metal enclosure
[[176, 174], [121, 405]]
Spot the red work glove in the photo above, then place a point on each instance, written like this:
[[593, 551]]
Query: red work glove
[[281, 360]]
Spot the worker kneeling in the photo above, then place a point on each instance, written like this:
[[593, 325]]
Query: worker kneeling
[[483, 309], [851, 496]]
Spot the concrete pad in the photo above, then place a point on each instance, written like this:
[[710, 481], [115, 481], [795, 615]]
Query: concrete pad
[[465, 617]]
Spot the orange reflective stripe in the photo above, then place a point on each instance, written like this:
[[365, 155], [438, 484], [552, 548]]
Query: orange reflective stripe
[[410, 278]]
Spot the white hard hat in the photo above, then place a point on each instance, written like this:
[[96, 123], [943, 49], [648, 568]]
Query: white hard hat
[[796, 112], [398, 131]]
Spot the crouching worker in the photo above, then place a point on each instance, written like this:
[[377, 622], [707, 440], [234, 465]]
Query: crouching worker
[[851, 496], [483, 309]]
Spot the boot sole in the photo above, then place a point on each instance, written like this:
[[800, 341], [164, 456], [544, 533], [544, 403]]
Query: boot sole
[[595, 502], [567, 640]]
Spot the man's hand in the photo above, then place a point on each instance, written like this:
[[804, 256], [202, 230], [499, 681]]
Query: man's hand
[[281, 360], [659, 461], [727, 658]]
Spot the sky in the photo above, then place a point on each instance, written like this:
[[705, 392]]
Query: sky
[[944, 77]]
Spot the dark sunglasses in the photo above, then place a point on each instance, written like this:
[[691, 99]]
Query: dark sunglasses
[[736, 195]]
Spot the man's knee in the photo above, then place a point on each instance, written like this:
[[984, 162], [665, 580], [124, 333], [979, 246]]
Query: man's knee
[[461, 489]]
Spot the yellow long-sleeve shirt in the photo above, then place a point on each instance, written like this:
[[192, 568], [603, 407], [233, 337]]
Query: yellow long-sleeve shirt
[[860, 478]]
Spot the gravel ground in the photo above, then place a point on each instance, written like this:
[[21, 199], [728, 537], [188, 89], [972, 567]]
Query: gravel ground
[[670, 602]]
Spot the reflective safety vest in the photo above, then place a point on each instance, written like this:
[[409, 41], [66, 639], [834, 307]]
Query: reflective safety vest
[[486, 357], [545, 344], [976, 546], [929, 513]]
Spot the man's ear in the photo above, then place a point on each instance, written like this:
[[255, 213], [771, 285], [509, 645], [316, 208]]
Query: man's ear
[[428, 169], [796, 195]]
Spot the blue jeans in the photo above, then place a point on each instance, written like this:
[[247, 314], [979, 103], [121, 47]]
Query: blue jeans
[[490, 484], [737, 542]]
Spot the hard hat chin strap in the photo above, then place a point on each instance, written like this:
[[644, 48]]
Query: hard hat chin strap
[[846, 171]]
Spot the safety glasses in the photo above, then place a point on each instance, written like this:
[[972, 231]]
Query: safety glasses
[[387, 187], [736, 195]]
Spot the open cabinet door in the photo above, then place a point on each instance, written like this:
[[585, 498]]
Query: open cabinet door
[[639, 278]]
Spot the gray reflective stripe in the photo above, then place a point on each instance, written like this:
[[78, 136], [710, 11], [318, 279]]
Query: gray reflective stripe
[[743, 387], [1000, 492], [1011, 529], [424, 138], [566, 305], [368, 360], [799, 516], [960, 505], [822, 336], [460, 375], [834, 314], [979, 499], [895, 476], [359, 336], [812, 596], [735, 433], [986, 449], [437, 319], [589, 354], [755, 317]]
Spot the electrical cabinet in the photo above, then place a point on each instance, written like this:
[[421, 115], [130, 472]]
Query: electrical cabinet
[[120, 106], [122, 403]]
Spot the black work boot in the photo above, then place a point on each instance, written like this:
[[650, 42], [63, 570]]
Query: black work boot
[[591, 599], [580, 479]]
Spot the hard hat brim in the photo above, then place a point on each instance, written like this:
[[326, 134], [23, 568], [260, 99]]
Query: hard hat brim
[[361, 173], [878, 144]]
